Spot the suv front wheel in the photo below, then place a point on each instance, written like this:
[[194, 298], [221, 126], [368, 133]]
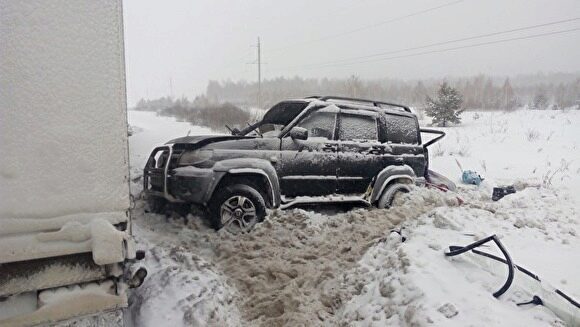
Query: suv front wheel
[[237, 208]]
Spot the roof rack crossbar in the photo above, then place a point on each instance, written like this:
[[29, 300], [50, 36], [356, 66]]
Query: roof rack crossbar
[[373, 102]]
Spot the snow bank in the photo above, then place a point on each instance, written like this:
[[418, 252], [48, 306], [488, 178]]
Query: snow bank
[[184, 295], [182, 288], [497, 146], [412, 283]]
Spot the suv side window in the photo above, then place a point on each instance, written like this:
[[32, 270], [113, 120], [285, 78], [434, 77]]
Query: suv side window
[[320, 124], [401, 129], [357, 127]]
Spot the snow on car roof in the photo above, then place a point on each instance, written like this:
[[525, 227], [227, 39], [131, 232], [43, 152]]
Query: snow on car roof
[[354, 105]]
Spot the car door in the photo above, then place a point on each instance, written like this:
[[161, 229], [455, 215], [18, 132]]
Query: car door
[[308, 167], [360, 154], [404, 142]]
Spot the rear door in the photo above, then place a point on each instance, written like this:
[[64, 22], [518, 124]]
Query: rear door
[[404, 142], [360, 153], [308, 167]]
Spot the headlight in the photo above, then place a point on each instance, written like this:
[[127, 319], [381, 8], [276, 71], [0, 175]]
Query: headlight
[[191, 158]]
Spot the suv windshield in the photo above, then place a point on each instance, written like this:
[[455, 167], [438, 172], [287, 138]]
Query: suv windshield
[[276, 118], [265, 130]]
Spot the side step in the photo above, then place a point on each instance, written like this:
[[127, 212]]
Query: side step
[[327, 199]]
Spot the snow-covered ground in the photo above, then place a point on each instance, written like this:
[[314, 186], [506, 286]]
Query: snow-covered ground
[[332, 267]]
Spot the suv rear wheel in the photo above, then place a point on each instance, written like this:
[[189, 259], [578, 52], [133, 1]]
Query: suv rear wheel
[[237, 208], [389, 195]]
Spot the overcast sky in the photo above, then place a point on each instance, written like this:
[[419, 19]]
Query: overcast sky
[[188, 42]]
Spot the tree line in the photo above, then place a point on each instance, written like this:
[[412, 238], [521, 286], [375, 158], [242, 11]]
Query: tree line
[[479, 92], [230, 103], [200, 111]]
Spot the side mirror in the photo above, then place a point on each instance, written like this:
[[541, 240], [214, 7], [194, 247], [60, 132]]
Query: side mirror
[[298, 133]]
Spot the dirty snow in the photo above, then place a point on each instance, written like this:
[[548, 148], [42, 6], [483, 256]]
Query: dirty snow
[[182, 288], [331, 267]]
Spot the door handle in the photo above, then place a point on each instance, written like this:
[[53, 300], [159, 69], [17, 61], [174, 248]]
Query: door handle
[[377, 150], [329, 147]]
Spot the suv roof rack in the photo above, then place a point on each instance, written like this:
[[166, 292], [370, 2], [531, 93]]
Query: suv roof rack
[[365, 101]]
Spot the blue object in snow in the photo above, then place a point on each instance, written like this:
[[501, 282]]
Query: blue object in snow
[[471, 177]]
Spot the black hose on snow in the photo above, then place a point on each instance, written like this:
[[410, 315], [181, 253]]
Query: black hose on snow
[[456, 250]]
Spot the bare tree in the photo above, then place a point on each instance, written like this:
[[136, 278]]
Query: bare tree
[[353, 86]]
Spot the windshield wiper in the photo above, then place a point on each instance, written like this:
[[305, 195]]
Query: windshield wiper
[[255, 129], [233, 131]]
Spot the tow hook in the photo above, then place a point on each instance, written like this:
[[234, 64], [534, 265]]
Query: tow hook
[[138, 278]]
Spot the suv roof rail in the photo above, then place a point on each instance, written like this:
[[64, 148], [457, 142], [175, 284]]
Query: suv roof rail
[[373, 102]]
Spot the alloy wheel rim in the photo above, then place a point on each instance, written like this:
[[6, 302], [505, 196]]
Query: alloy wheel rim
[[238, 214]]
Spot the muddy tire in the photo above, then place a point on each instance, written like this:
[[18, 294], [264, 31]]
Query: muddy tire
[[389, 195], [237, 208]]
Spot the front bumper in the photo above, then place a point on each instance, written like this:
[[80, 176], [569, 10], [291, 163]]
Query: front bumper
[[185, 184]]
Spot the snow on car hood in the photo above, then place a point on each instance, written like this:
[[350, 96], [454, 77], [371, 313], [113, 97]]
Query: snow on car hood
[[200, 140]]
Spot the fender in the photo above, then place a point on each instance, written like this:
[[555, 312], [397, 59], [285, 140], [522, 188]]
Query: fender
[[387, 175], [248, 166]]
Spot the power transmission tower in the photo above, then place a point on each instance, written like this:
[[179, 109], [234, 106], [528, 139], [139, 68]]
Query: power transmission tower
[[259, 76], [259, 63]]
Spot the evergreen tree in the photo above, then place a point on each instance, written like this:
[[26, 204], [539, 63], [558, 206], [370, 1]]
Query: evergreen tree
[[540, 102], [447, 107]]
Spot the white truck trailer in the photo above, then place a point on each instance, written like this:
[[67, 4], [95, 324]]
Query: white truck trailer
[[65, 228]]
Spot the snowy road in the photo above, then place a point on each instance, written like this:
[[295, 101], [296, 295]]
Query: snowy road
[[345, 268]]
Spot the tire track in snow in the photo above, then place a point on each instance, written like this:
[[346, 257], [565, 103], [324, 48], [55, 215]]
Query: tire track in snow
[[291, 269]]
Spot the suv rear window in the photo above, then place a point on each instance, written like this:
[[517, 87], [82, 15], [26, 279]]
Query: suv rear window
[[357, 127], [401, 129]]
